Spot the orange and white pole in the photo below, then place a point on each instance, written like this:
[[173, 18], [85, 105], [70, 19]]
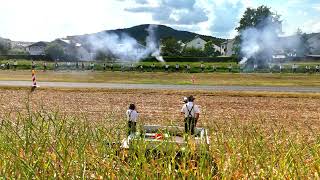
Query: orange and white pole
[[193, 79], [34, 82]]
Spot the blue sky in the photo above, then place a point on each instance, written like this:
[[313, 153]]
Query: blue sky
[[36, 20]]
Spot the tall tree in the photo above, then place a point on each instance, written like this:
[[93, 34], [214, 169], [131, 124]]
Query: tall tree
[[4, 46], [265, 26], [170, 47], [55, 51], [209, 50], [303, 47]]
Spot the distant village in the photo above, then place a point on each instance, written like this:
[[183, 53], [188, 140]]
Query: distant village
[[77, 50]]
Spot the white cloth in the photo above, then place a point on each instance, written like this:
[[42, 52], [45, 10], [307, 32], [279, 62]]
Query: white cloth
[[132, 115], [188, 107]]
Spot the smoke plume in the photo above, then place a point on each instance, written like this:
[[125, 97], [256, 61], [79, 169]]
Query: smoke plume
[[260, 44], [125, 48]]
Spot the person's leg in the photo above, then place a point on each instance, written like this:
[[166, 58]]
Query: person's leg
[[129, 127], [134, 127], [192, 125], [186, 125]]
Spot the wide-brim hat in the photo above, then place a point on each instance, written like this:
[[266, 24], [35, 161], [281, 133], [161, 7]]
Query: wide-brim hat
[[191, 98]]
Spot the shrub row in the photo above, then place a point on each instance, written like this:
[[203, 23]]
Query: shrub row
[[195, 59]]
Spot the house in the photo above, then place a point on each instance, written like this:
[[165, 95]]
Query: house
[[314, 42], [37, 48], [197, 43], [227, 48]]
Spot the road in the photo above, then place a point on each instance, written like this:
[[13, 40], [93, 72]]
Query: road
[[161, 87]]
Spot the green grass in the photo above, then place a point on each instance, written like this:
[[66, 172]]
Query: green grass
[[43, 144], [252, 79], [195, 66]]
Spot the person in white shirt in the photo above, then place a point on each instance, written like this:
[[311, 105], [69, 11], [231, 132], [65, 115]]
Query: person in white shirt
[[191, 114], [177, 67], [230, 68], [202, 67], [153, 67], [132, 117], [166, 67], [15, 64]]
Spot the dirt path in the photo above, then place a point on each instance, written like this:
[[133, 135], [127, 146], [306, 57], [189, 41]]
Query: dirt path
[[161, 87]]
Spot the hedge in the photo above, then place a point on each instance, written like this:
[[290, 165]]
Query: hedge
[[194, 59], [26, 57]]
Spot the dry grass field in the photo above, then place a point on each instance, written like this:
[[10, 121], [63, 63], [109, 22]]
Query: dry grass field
[[284, 110], [262, 135]]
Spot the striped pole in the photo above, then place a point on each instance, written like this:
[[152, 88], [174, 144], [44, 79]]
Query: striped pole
[[34, 82], [193, 79]]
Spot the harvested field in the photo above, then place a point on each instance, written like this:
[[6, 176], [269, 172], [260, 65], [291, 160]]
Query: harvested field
[[262, 135], [292, 113]]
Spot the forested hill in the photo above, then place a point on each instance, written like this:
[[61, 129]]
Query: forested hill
[[140, 33]]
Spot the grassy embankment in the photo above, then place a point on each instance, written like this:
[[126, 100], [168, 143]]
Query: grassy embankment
[[257, 79]]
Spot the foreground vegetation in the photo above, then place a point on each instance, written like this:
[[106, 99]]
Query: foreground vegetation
[[67, 134], [47, 145]]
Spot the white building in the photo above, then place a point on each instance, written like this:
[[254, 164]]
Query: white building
[[227, 48], [197, 43], [37, 48]]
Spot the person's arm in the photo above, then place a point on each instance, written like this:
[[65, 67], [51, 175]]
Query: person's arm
[[196, 112], [182, 110]]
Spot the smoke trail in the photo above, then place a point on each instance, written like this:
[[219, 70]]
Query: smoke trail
[[124, 47]]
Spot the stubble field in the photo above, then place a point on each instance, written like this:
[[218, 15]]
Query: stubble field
[[264, 135]]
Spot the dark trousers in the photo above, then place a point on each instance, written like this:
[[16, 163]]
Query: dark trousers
[[189, 125], [132, 127]]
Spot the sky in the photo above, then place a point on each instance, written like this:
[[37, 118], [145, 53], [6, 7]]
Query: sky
[[46, 20]]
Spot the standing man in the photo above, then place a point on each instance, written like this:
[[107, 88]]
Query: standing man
[[255, 67], [153, 67], [44, 66], [188, 68], [77, 65], [230, 68], [15, 64], [177, 67], [191, 114], [33, 65], [82, 66], [202, 67], [111, 66], [214, 68], [317, 69], [92, 66], [294, 68], [104, 66], [56, 66], [166, 67], [132, 117]]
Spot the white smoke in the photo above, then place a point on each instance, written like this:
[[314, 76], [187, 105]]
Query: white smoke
[[124, 47], [259, 45]]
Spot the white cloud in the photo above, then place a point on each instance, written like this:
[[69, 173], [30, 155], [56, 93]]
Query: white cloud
[[35, 20]]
